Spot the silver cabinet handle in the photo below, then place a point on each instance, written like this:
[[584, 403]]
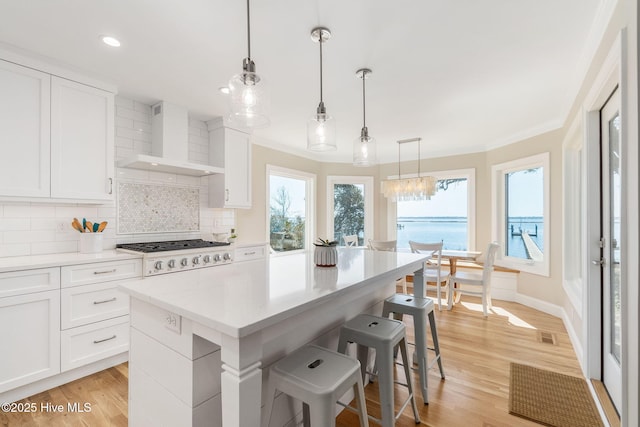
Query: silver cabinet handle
[[110, 185], [250, 253], [599, 262], [105, 271], [103, 340], [103, 301], [226, 197]]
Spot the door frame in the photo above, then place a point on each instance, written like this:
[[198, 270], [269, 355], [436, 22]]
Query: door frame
[[612, 74]]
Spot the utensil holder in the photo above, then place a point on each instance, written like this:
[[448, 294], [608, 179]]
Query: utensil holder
[[325, 256], [90, 243]]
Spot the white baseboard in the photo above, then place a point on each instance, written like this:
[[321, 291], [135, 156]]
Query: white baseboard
[[544, 306]]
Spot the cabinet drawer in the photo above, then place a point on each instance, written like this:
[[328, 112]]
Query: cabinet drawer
[[248, 253], [86, 344], [29, 281], [85, 274], [81, 305]]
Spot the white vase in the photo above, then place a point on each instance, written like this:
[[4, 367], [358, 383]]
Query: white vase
[[325, 256]]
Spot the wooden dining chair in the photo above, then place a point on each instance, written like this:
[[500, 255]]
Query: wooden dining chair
[[463, 282], [434, 274], [350, 240], [389, 246]]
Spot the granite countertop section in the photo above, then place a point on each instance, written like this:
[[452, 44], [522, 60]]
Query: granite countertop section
[[55, 260], [240, 299]]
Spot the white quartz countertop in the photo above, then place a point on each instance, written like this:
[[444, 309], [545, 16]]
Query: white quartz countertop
[[240, 299], [54, 260]]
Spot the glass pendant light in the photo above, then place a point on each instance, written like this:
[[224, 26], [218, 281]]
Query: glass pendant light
[[248, 95], [321, 128], [364, 148]]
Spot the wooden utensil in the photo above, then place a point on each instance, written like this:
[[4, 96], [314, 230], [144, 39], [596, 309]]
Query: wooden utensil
[[102, 226], [89, 226], [76, 224]]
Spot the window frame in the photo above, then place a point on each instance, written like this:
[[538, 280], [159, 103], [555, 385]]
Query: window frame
[[310, 200], [498, 200], [469, 174], [369, 211]]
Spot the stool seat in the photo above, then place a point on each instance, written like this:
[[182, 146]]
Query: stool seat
[[420, 309], [410, 304], [383, 335], [373, 329], [318, 377]]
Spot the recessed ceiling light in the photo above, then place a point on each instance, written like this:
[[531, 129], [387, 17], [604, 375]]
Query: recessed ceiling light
[[224, 89], [111, 41]]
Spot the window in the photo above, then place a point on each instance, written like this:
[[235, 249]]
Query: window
[[449, 215], [290, 200], [350, 207], [521, 213]]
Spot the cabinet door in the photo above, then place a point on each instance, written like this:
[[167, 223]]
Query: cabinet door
[[30, 338], [24, 131], [81, 141], [237, 169], [233, 188]]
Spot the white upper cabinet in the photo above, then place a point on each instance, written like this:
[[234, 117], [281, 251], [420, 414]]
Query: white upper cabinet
[[231, 149], [81, 141], [24, 131], [56, 137]]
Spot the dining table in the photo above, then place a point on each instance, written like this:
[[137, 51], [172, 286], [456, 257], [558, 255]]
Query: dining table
[[453, 256]]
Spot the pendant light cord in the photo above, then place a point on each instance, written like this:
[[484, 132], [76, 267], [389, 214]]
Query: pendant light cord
[[364, 107], [248, 32], [320, 42]]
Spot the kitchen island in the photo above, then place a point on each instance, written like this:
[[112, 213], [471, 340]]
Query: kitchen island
[[200, 340]]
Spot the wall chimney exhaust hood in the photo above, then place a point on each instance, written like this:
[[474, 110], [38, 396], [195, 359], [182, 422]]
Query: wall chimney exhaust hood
[[169, 145]]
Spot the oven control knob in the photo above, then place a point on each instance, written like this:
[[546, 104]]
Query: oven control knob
[[216, 258], [184, 262], [227, 256], [196, 260], [171, 263], [207, 259], [158, 265]]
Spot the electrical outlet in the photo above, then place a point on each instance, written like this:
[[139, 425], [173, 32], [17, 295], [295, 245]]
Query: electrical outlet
[[173, 322], [62, 226], [217, 223]]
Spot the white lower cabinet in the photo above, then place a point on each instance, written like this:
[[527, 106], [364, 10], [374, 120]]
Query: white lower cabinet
[[58, 319], [82, 305], [93, 342], [30, 339], [95, 314]]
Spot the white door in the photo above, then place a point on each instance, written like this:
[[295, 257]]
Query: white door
[[612, 247]]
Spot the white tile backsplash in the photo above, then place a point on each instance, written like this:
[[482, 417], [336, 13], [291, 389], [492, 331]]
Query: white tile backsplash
[[41, 228]]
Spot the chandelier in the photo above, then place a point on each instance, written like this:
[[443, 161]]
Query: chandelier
[[408, 189]]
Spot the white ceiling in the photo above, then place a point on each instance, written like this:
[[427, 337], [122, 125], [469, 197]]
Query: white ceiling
[[465, 75]]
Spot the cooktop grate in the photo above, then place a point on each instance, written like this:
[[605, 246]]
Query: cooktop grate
[[173, 245]]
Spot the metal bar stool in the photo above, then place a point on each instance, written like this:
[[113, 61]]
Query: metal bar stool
[[419, 309], [318, 377], [383, 335]]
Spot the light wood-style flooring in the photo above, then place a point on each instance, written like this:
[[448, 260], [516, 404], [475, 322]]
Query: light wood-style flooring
[[476, 354]]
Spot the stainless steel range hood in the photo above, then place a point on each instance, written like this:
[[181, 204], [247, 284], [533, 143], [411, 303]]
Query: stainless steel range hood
[[169, 145]]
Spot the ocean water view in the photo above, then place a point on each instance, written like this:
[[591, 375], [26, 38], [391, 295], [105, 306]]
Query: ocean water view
[[452, 231]]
